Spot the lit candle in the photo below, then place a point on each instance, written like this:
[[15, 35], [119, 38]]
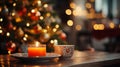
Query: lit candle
[[37, 50]]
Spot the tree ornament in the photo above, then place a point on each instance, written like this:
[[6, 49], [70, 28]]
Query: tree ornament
[[10, 46], [44, 37], [37, 28], [10, 26], [19, 32]]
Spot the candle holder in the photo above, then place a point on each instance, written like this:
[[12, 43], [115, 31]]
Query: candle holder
[[36, 50]]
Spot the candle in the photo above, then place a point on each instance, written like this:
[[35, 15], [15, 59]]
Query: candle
[[37, 50]]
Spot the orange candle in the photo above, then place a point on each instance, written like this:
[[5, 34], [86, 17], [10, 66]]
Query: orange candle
[[37, 50]]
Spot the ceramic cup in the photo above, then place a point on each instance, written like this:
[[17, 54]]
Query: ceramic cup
[[66, 51]]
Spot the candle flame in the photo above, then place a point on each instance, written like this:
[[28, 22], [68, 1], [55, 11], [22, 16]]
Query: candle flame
[[37, 43]]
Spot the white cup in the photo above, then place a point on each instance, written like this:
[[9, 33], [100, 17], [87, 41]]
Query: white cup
[[66, 51]]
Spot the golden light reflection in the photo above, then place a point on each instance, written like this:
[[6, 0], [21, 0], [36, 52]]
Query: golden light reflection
[[1, 31], [70, 23], [54, 29], [72, 5], [41, 17], [14, 28], [14, 4], [27, 24], [98, 27], [68, 12], [45, 5], [24, 38], [0, 27], [48, 14], [78, 27], [112, 25], [8, 34], [57, 26], [88, 5], [1, 19], [13, 14]]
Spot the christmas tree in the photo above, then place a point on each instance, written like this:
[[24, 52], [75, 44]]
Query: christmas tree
[[24, 21]]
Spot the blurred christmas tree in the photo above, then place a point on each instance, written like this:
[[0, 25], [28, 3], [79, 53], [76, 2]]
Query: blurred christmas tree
[[24, 21]]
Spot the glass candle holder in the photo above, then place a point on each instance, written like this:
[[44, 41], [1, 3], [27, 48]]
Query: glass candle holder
[[36, 50]]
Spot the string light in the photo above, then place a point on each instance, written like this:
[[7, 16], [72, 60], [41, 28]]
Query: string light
[[24, 38], [13, 13], [39, 2], [14, 4], [1, 31], [1, 19], [54, 29], [48, 14], [33, 11], [68, 12], [18, 19], [98, 26], [8, 34], [45, 5], [78, 27], [14, 28], [70, 23], [41, 17], [72, 5], [88, 5], [27, 24], [26, 35], [112, 25], [57, 26]]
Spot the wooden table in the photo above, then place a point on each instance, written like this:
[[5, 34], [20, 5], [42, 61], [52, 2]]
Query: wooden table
[[80, 58]]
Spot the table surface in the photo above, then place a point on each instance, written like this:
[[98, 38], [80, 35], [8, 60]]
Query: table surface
[[79, 58]]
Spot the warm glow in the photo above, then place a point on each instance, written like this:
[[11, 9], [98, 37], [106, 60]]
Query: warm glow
[[39, 2], [27, 24], [41, 17], [1, 19], [55, 42], [98, 26], [44, 30], [57, 26], [14, 28], [33, 10], [112, 25], [8, 34], [14, 4], [45, 5], [52, 41], [68, 12], [78, 27], [24, 38], [37, 44], [88, 5], [48, 14], [78, 11], [72, 5], [54, 29], [18, 19], [70, 23], [26, 35], [29, 14], [13, 14], [1, 31], [0, 27], [0, 9]]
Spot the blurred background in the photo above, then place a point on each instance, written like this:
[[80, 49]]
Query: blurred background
[[88, 24]]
